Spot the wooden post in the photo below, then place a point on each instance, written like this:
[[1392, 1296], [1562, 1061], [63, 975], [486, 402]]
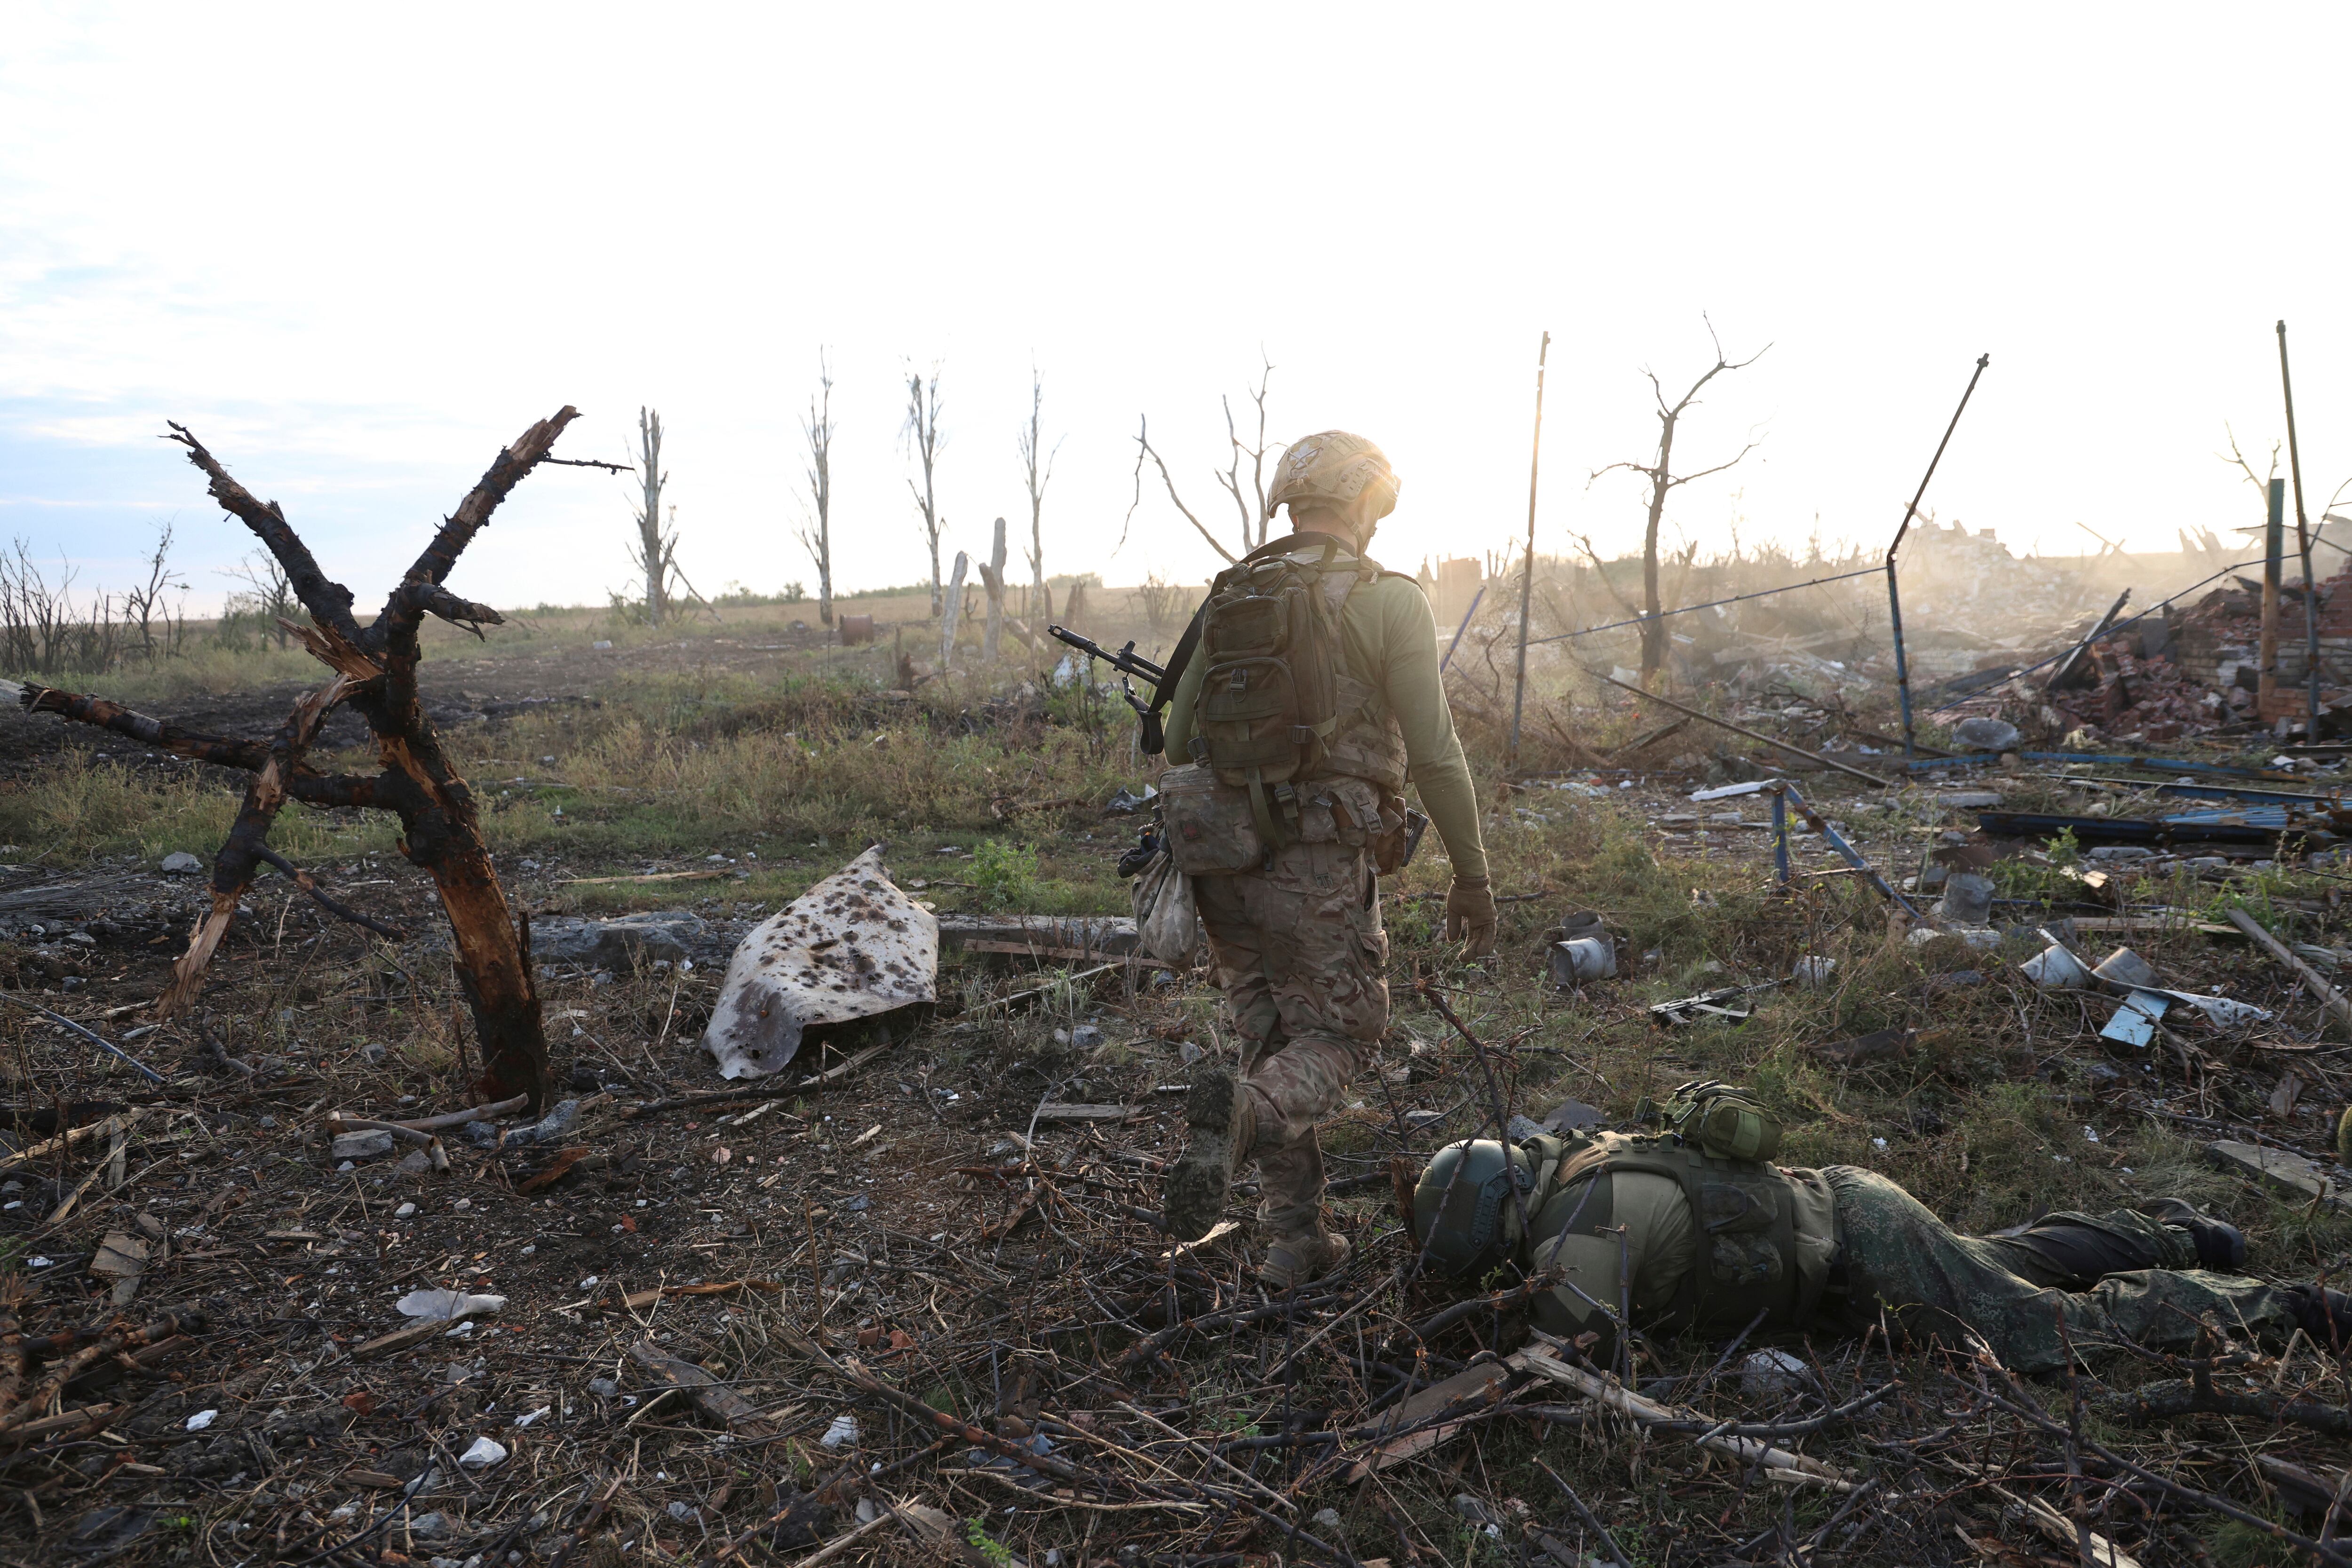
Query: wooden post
[[1528, 586], [952, 611], [993, 576], [2274, 542]]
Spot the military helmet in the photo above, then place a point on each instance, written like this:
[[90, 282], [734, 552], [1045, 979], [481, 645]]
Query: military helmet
[[1331, 468], [1469, 1222]]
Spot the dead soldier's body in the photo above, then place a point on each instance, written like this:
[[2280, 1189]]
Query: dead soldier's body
[[1304, 697], [1714, 1241]]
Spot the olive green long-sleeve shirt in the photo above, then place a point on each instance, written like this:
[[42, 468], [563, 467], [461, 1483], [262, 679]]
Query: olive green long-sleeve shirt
[[1392, 645]]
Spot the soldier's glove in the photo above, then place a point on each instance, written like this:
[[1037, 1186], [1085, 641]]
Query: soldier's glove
[[1470, 917]]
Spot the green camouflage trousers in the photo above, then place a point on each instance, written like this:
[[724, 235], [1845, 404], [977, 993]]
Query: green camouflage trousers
[[2108, 1276], [1300, 955]]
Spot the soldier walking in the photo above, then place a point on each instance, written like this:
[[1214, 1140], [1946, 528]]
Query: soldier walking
[[1305, 696]]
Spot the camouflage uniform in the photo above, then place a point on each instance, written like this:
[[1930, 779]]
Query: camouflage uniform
[[1299, 954], [2109, 1276], [1295, 935], [1864, 1246]]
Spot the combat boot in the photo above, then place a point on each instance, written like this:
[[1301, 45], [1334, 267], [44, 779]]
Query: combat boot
[[1293, 1260], [2325, 1314], [1223, 1124], [2221, 1246]]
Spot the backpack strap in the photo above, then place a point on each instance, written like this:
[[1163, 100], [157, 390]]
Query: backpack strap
[[1154, 739]]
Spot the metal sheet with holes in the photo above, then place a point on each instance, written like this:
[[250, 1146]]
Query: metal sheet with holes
[[850, 947]]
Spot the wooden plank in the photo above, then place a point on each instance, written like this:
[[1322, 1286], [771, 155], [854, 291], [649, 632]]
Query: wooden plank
[[1461, 1386], [2149, 922], [2329, 998], [1057, 1110], [2290, 1173]]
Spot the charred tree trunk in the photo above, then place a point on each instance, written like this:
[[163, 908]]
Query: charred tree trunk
[[376, 672]]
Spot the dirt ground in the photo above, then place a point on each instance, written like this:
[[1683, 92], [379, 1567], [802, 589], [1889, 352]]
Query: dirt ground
[[912, 1236]]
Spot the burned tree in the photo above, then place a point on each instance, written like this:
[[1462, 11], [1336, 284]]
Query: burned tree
[[922, 431], [1665, 481], [374, 670], [1041, 597], [654, 553], [816, 538]]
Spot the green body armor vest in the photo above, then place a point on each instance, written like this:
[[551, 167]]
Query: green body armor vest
[[1743, 1212]]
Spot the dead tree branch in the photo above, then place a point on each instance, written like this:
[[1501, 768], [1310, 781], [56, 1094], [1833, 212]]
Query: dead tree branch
[[1144, 449]]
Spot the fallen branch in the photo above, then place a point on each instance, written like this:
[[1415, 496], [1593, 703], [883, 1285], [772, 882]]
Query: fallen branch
[[1645, 1412], [2164, 1401]]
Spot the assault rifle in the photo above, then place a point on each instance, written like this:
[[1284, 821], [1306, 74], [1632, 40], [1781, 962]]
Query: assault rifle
[[1721, 1003], [1126, 662]]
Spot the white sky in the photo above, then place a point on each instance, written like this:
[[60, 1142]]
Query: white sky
[[359, 248]]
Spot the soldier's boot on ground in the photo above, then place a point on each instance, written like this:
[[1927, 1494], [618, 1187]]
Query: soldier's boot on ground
[[1295, 1259], [1223, 1123], [2221, 1246], [2325, 1314]]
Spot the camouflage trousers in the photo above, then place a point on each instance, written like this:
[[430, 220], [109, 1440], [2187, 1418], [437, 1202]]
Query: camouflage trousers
[[2110, 1276], [1299, 954]]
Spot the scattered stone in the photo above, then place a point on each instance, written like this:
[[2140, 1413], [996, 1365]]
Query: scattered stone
[[1085, 1038], [364, 1145], [1188, 1053], [180, 863], [484, 1453], [1985, 735], [1769, 1377]]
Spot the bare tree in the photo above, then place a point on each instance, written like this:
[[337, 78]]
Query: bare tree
[[1254, 518], [1665, 481], [818, 540], [271, 597], [2238, 460], [1254, 524], [1041, 598], [144, 605], [655, 554], [922, 434]]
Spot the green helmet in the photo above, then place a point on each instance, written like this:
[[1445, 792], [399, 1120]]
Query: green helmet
[[1469, 1222]]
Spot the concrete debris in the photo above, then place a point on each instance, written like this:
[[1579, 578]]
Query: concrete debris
[[850, 947], [617, 944]]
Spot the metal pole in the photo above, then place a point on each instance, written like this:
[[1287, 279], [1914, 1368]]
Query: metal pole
[[1894, 598], [1528, 586], [2303, 538], [1781, 833], [1476, 599]]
